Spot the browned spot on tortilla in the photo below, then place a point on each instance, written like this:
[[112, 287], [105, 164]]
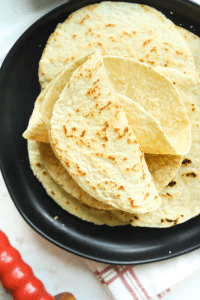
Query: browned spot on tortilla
[[110, 25], [111, 157], [126, 33], [81, 22], [106, 126], [169, 195], [186, 161], [151, 62], [172, 183], [45, 173], [65, 130], [141, 60], [179, 53], [38, 165], [146, 42], [154, 49], [52, 192], [169, 220], [131, 201], [121, 188], [192, 174], [109, 102], [83, 133]]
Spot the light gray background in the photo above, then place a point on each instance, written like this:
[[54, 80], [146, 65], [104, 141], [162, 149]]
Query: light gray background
[[59, 270]]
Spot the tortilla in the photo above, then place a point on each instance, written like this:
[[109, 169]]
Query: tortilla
[[158, 127], [116, 28], [194, 44], [158, 96], [58, 84], [36, 129], [60, 175], [163, 168], [38, 123], [62, 198], [180, 199], [93, 140]]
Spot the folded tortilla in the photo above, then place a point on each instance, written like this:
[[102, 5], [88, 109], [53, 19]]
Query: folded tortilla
[[159, 97], [91, 137], [180, 199], [62, 198]]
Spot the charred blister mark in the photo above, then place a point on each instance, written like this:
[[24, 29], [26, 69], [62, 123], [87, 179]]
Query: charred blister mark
[[186, 162], [192, 174], [169, 195], [172, 183]]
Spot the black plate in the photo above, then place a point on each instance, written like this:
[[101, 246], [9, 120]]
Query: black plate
[[19, 88]]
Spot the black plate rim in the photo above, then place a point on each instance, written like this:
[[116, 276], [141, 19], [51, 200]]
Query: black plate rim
[[4, 172]]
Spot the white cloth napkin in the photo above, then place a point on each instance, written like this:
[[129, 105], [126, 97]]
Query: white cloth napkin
[[149, 281]]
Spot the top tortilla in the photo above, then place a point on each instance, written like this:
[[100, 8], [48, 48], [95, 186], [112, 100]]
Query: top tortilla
[[116, 28], [194, 43], [92, 138]]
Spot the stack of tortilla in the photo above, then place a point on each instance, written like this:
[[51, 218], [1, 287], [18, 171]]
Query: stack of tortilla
[[114, 134]]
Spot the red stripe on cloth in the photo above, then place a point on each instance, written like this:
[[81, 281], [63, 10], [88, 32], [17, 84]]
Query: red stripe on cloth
[[159, 296], [103, 271], [109, 281], [126, 284], [130, 270]]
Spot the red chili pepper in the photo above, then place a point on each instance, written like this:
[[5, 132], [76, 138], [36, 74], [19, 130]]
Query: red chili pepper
[[16, 276]]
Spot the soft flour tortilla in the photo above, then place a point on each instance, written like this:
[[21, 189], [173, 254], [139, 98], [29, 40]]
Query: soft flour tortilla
[[60, 175], [161, 168], [65, 200], [180, 199], [150, 135], [116, 28], [158, 96], [39, 123], [158, 128], [36, 129], [92, 138], [194, 43]]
